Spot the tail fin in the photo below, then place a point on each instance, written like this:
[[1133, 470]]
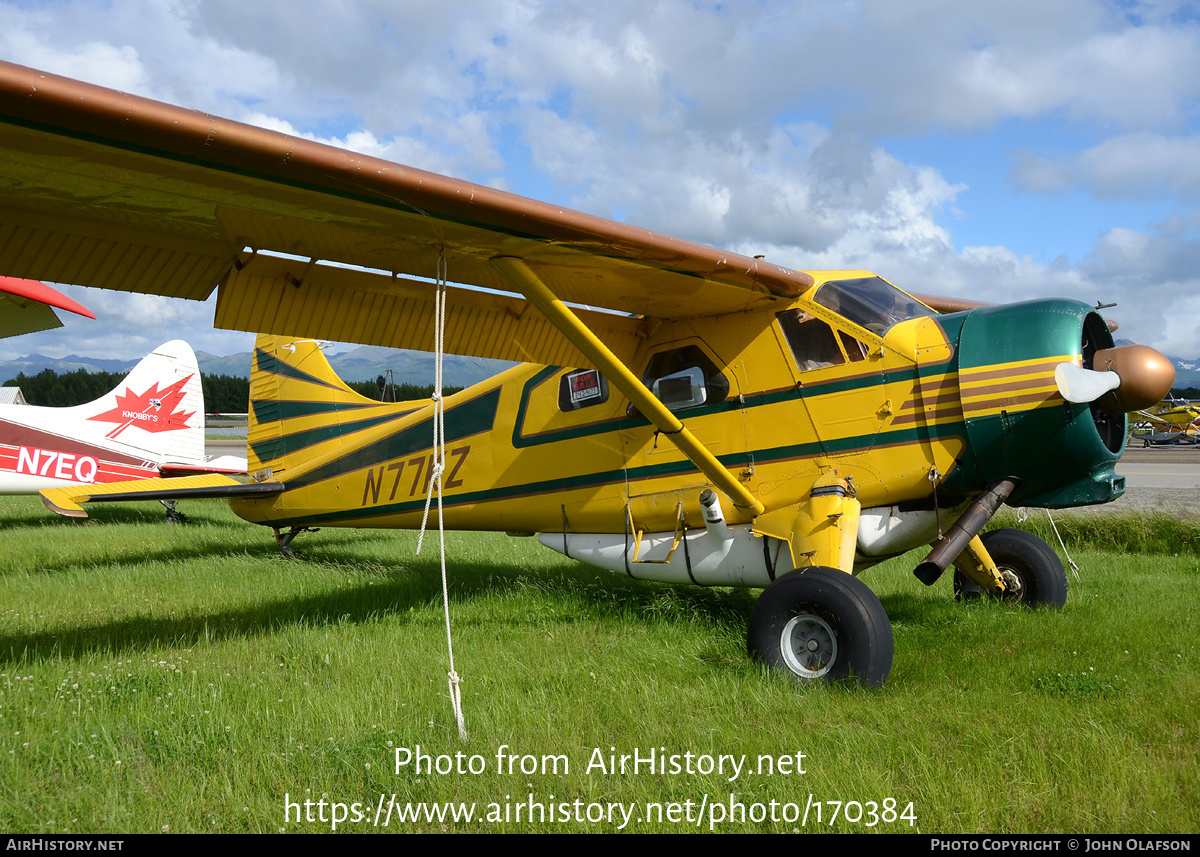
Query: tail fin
[[156, 413], [153, 418], [299, 407]]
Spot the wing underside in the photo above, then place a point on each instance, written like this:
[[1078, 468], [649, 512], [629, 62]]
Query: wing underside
[[110, 190]]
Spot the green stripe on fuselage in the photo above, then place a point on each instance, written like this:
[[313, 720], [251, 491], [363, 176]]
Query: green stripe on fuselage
[[272, 410], [469, 418], [277, 447], [754, 400]]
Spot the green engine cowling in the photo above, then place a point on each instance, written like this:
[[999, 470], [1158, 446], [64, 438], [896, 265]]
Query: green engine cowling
[[1064, 454]]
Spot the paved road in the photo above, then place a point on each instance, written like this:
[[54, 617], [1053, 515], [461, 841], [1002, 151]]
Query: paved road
[[1162, 467], [1162, 478]]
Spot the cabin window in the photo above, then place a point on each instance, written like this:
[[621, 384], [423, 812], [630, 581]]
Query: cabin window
[[854, 349], [812, 341], [582, 388], [684, 378]]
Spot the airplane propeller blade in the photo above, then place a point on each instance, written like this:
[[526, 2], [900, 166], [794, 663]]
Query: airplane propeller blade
[[1080, 385]]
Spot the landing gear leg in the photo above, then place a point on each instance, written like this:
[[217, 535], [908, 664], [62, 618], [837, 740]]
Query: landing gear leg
[[284, 540], [173, 516], [1032, 572], [976, 571]]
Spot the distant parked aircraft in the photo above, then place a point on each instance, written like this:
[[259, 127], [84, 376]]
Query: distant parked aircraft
[[151, 425]]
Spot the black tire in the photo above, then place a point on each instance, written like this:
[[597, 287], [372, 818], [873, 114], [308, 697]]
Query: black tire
[[822, 624], [966, 589], [1030, 567]]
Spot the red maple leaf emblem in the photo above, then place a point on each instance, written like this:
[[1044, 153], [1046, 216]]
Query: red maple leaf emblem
[[152, 411]]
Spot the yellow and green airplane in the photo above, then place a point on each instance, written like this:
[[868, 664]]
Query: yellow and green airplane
[[1170, 421], [680, 413]]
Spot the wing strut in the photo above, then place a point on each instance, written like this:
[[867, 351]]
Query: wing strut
[[618, 374]]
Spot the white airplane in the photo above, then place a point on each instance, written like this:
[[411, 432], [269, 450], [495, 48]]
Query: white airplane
[[151, 425]]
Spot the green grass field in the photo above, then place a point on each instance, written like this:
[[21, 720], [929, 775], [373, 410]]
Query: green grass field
[[188, 678]]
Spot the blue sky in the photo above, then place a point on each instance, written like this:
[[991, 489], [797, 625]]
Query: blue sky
[[997, 150]]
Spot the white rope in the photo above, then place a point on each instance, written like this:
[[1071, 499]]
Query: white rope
[[435, 479], [1063, 545]]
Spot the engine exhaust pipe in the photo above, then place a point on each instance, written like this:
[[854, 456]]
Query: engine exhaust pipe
[[965, 528]]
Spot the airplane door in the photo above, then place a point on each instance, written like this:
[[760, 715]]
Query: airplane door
[[567, 443], [688, 380], [842, 386]]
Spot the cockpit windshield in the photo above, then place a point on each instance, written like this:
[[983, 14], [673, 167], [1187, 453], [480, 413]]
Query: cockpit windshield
[[871, 302]]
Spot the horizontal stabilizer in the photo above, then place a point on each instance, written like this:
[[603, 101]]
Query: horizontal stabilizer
[[68, 501], [231, 464]]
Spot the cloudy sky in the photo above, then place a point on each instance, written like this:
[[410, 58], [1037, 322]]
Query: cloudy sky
[[998, 149]]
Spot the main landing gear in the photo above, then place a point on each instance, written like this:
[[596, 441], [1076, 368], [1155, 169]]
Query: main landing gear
[[1033, 574], [173, 515], [822, 624]]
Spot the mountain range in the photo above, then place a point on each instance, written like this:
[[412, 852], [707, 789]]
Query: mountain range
[[367, 362], [364, 363]]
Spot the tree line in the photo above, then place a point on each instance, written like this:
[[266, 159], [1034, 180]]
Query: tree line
[[223, 394]]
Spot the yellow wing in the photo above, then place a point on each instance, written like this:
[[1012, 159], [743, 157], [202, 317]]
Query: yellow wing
[[115, 191]]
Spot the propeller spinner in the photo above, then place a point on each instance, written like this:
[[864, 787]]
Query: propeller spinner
[[1126, 378]]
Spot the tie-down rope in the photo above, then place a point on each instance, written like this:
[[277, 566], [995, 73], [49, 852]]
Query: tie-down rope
[[435, 478]]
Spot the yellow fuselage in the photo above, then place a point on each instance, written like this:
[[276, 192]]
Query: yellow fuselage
[[517, 461]]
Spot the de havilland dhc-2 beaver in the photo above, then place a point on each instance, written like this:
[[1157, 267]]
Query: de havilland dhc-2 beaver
[[150, 426], [708, 417]]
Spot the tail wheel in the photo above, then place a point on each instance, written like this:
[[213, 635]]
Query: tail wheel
[[1033, 574], [821, 624]]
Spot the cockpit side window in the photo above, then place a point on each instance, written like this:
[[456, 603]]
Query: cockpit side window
[[871, 302], [685, 378], [855, 350], [812, 341]]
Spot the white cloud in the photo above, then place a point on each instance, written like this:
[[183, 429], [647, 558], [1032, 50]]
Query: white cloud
[[128, 326], [766, 127], [1130, 166], [1143, 164]]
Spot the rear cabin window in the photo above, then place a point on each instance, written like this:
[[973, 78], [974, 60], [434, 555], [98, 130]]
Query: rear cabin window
[[684, 378], [582, 388]]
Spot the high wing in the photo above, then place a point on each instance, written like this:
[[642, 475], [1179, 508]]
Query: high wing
[[116, 191], [26, 307]]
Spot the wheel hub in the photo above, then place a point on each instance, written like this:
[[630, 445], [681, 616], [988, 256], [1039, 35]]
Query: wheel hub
[[809, 646], [1013, 585]]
